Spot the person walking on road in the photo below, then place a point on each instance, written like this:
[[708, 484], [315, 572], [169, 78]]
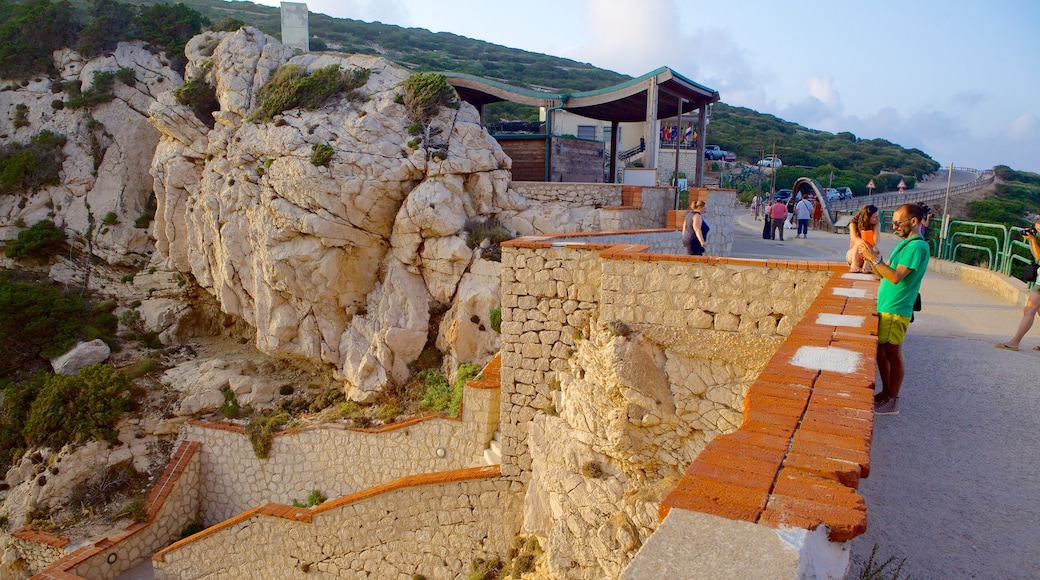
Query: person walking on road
[[900, 285], [778, 217], [1032, 307], [804, 210]]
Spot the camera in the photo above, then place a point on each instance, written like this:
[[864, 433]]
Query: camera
[[1030, 231]]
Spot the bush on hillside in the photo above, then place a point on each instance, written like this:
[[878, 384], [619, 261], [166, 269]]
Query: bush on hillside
[[31, 32], [38, 322], [54, 410], [110, 23], [41, 241], [425, 93], [201, 96], [29, 166], [291, 87], [169, 27]]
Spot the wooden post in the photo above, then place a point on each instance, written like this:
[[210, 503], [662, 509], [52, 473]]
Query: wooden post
[[651, 132], [702, 139]]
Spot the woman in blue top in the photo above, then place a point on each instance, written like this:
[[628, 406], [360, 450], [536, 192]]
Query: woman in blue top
[[695, 230]]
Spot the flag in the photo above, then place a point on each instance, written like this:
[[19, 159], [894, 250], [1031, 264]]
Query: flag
[[688, 134]]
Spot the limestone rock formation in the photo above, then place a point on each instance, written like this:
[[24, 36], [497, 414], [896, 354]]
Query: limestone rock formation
[[340, 263], [105, 187]]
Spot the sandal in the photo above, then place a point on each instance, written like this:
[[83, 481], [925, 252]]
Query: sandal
[[1036, 348], [1006, 347]]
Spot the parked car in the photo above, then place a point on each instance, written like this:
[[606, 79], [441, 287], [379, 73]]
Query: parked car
[[770, 162], [832, 194], [844, 192], [729, 156], [713, 152], [782, 195]]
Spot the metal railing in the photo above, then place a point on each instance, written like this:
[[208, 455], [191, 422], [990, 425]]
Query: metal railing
[[895, 199]]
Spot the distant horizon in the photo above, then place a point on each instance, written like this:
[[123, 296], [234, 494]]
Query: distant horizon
[[938, 77]]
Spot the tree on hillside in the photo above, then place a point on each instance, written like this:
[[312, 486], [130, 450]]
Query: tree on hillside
[[31, 32], [169, 27], [111, 23]]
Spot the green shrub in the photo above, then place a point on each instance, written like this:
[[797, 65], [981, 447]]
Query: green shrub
[[200, 96], [29, 166], [439, 395], [291, 87], [227, 24], [54, 410], [485, 569], [191, 529], [127, 76], [262, 428], [144, 220], [230, 408], [32, 31], [466, 372], [111, 219], [169, 27], [38, 321], [126, 279], [135, 511], [42, 240], [313, 499], [21, 112], [57, 104], [495, 318], [321, 154], [491, 230], [425, 93], [100, 91]]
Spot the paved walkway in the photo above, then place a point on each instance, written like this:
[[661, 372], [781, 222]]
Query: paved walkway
[[954, 488]]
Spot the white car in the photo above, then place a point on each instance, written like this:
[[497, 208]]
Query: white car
[[770, 162], [832, 194]]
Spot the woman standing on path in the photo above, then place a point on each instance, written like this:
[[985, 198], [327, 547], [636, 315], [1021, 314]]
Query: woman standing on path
[[695, 230], [866, 227]]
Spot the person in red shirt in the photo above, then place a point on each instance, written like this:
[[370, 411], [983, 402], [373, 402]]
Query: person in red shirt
[[777, 217]]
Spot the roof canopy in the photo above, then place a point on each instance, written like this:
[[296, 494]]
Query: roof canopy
[[626, 102]]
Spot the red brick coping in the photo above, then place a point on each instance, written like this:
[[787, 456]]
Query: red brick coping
[[797, 459]]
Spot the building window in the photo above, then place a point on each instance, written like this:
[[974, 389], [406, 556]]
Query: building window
[[587, 132]]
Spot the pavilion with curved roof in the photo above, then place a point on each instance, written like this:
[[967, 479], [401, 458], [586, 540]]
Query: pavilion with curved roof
[[659, 94]]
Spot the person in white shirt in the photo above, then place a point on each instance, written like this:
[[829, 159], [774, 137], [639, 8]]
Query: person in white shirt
[[804, 210]]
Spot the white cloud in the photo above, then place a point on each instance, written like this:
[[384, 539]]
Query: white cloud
[[1024, 128], [822, 88]]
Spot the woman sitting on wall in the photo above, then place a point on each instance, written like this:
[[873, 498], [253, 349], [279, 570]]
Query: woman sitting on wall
[[865, 226]]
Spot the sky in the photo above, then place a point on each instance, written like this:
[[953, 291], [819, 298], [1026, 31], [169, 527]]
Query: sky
[[957, 79]]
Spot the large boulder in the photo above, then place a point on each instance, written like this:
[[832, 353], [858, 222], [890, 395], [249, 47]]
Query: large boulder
[[80, 357]]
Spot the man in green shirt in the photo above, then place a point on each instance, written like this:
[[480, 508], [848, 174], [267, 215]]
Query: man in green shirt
[[900, 284]]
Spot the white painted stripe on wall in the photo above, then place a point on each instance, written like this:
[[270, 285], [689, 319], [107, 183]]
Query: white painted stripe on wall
[[841, 320], [826, 358]]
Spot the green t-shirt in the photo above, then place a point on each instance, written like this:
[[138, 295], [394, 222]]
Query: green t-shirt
[[899, 298]]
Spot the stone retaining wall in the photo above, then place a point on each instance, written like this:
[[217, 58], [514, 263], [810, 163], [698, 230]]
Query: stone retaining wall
[[434, 525], [171, 506], [552, 295], [37, 550], [571, 194], [333, 459]]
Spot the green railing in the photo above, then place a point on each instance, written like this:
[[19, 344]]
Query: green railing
[[1003, 248]]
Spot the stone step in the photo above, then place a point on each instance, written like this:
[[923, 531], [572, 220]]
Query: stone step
[[493, 454]]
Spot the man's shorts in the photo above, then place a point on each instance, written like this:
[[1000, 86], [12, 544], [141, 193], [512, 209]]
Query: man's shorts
[[891, 328]]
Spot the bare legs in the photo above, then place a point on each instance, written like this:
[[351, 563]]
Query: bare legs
[[890, 366], [1029, 312]]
